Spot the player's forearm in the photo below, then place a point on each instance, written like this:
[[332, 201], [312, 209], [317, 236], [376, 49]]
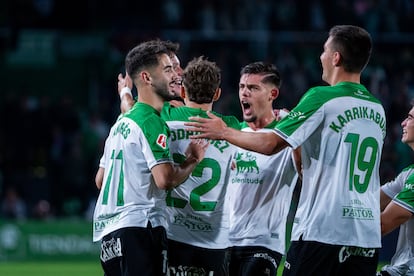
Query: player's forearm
[[99, 177], [264, 143], [384, 200], [392, 217], [177, 174], [168, 176], [184, 170], [127, 101], [388, 225]]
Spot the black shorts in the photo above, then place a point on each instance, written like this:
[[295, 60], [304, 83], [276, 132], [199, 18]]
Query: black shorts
[[315, 258], [135, 251], [186, 259], [253, 260]]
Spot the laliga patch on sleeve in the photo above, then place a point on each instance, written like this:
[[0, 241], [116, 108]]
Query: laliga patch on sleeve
[[162, 141]]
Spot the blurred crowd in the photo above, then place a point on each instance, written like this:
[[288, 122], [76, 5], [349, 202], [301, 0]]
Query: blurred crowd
[[50, 145], [210, 15]]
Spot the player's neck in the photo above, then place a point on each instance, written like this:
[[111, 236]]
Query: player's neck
[[205, 106], [151, 99], [262, 122], [341, 76]]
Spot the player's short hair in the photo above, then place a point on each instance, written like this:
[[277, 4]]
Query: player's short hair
[[269, 70], [172, 47], [354, 44], [144, 56]]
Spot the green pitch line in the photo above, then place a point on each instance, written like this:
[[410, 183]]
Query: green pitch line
[[44, 268]]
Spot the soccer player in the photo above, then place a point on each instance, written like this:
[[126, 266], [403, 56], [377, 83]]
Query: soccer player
[[340, 128], [261, 186], [397, 205], [197, 220], [129, 218], [125, 86]]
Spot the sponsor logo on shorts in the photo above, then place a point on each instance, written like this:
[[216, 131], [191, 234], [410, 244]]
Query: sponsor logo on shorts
[[287, 265], [266, 257], [111, 249], [347, 251], [182, 270]]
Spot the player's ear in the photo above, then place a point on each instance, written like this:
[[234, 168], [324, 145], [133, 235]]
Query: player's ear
[[145, 76], [217, 94], [182, 92], [274, 93], [337, 59]]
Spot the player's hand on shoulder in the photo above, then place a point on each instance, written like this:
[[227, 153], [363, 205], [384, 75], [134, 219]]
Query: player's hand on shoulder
[[212, 127], [280, 113]]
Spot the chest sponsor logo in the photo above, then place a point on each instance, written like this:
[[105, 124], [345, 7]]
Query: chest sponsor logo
[[102, 222], [246, 163], [351, 212]]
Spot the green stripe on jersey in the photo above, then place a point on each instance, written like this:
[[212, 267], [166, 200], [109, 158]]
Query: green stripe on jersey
[[182, 113], [408, 168], [154, 128], [269, 126], [316, 97]]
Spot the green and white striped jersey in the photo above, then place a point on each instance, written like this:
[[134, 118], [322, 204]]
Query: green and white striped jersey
[[129, 197], [259, 195], [401, 190], [195, 209], [340, 129]]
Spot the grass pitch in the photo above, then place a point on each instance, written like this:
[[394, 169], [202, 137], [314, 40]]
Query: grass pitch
[[66, 268], [44, 268]]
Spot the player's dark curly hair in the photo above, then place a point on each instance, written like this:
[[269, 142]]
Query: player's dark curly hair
[[201, 79]]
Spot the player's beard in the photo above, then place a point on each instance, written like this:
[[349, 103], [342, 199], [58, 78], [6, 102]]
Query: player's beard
[[162, 90], [177, 98]]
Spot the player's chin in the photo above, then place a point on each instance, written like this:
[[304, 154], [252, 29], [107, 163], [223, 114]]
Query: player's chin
[[248, 118]]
